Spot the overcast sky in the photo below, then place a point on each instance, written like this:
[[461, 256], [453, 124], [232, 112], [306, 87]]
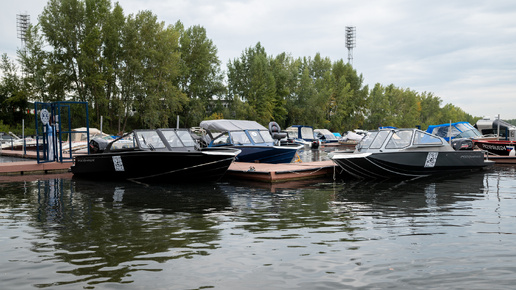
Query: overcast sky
[[462, 51]]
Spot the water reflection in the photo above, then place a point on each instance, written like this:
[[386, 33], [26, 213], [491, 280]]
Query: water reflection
[[296, 205], [410, 195], [103, 232], [235, 234]]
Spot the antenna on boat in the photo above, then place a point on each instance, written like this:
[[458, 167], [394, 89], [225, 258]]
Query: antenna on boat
[[498, 132]]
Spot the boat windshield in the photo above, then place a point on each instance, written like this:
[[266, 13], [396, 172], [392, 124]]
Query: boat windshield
[[179, 138], [256, 136], [468, 131], [240, 138], [149, 139], [367, 140], [379, 140], [422, 138], [399, 139], [222, 139], [307, 133], [267, 138], [186, 138], [292, 134], [126, 142]]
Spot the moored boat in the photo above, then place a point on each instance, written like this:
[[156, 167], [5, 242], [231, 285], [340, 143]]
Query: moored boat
[[326, 136], [454, 130], [408, 153], [302, 134], [160, 155], [497, 147], [503, 140], [257, 143]]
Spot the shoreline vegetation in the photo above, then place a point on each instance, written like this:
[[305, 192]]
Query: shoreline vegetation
[[137, 72]]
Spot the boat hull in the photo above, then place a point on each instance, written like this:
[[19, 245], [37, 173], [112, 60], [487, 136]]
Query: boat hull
[[267, 154], [502, 148], [152, 166], [407, 165]]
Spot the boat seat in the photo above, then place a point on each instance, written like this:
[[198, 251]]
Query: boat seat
[[275, 131]]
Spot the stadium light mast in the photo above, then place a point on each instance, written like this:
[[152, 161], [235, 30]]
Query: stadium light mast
[[350, 41], [22, 25], [23, 22]]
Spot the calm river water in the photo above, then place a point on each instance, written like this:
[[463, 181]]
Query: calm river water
[[446, 233]]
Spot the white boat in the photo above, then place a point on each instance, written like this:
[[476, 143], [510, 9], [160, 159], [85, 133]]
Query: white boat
[[78, 139]]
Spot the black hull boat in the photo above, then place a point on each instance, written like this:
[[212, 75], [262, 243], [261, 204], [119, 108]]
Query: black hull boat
[[162, 155], [408, 164], [497, 147], [407, 154]]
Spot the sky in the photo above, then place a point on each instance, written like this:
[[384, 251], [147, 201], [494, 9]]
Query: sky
[[462, 51]]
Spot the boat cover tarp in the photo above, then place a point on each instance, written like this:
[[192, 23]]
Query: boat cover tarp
[[230, 125]]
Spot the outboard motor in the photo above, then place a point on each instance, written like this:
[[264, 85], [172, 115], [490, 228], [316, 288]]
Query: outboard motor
[[98, 145], [275, 131], [462, 144]]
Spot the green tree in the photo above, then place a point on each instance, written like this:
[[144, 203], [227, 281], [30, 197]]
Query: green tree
[[430, 110], [13, 99], [378, 109], [34, 65], [251, 80], [152, 70], [200, 78], [62, 23]]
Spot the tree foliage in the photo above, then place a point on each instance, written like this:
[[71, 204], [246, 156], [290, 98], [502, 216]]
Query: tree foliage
[[135, 71]]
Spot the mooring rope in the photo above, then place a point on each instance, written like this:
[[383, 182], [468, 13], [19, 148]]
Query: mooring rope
[[134, 179]]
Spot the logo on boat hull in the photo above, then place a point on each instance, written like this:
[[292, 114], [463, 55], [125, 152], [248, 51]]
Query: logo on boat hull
[[431, 158], [117, 162]]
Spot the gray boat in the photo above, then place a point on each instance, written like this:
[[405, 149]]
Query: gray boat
[[408, 153]]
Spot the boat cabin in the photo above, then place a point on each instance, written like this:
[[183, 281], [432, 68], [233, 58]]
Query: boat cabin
[[394, 140], [301, 132], [147, 140], [237, 133], [454, 130], [243, 138]]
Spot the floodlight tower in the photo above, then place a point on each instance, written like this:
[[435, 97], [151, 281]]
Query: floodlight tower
[[350, 41], [23, 22]]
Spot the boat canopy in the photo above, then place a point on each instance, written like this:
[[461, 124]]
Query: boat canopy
[[301, 132], [79, 134], [326, 134], [230, 125], [458, 130]]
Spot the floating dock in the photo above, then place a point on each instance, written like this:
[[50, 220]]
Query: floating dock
[[32, 167], [284, 172], [502, 159]]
